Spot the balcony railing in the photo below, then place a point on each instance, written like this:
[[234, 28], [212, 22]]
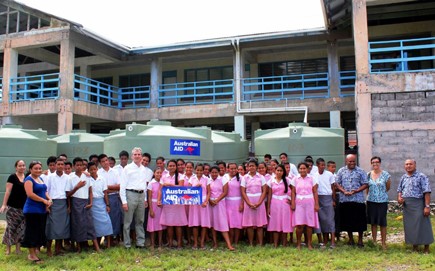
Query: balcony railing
[[35, 87], [347, 83], [300, 86], [134, 97], [408, 55], [194, 93], [93, 91]]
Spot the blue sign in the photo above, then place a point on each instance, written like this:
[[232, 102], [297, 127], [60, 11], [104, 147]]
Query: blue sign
[[181, 195], [185, 147]]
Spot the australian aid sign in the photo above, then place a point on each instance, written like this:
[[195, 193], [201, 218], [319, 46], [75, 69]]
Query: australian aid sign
[[185, 147], [181, 195]]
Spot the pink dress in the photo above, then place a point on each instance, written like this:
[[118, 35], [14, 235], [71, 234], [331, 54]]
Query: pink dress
[[254, 217], [280, 211], [172, 215], [198, 215], [186, 184], [304, 214], [154, 223], [218, 217], [233, 201]]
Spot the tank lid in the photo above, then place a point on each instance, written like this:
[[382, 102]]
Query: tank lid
[[158, 122]]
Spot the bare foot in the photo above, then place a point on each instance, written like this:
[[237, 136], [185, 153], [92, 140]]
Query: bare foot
[[310, 247], [231, 248], [18, 252], [298, 247]]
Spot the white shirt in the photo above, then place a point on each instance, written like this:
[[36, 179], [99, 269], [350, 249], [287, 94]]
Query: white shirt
[[136, 178], [98, 187], [314, 170], [57, 185], [325, 181], [293, 170], [82, 192], [119, 169], [111, 176]]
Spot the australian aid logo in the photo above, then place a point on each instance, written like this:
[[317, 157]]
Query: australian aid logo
[[185, 147]]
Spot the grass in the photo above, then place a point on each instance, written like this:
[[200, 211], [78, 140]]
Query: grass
[[371, 257]]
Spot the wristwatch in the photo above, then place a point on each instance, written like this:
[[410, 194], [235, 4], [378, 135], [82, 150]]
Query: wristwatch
[[427, 206]]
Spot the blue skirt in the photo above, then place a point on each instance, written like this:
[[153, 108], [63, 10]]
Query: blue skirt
[[102, 223]]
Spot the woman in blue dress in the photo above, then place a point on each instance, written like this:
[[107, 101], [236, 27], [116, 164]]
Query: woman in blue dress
[[377, 199], [35, 211]]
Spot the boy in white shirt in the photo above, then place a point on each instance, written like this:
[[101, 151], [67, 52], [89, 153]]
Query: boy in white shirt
[[80, 199]]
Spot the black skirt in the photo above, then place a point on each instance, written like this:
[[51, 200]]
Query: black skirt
[[34, 234], [353, 217], [377, 213]]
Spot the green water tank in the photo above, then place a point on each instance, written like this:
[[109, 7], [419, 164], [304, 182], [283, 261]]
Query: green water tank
[[299, 140], [159, 138], [78, 143], [229, 147], [17, 143]]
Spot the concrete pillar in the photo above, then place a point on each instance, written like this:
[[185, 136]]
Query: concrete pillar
[[335, 119], [362, 93], [240, 126], [156, 80], [254, 126], [237, 70], [66, 95], [10, 70], [333, 69], [66, 69]]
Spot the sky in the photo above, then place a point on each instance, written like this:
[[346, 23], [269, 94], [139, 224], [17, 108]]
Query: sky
[[148, 23]]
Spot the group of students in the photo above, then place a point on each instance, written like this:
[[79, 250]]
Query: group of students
[[91, 202]]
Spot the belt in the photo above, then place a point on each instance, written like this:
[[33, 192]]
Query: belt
[[310, 196], [153, 200], [216, 199], [280, 197], [253, 195], [135, 191], [114, 193], [233, 198]]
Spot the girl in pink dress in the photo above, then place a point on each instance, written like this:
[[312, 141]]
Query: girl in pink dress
[[253, 190], [278, 207], [188, 174], [234, 204], [155, 211], [241, 169], [305, 204], [199, 215], [172, 215], [219, 221], [262, 169]]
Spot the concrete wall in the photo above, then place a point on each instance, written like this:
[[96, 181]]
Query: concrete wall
[[404, 127]]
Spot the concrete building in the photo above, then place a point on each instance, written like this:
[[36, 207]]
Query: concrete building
[[370, 71]]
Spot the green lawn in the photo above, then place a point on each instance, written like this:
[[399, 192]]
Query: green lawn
[[371, 257]]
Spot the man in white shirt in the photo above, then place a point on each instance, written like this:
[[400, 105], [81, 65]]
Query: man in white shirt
[[58, 220], [113, 185], [326, 192], [293, 170], [80, 194], [123, 161], [133, 194]]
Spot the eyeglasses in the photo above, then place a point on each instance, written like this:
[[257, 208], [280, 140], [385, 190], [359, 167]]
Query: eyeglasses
[[375, 162]]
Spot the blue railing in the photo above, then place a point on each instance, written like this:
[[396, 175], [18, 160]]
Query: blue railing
[[134, 97], [193, 93], [300, 86], [347, 83], [93, 91], [408, 55], [35, 87]]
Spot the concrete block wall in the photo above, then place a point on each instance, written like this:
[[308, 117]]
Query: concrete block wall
[[404, 127]]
